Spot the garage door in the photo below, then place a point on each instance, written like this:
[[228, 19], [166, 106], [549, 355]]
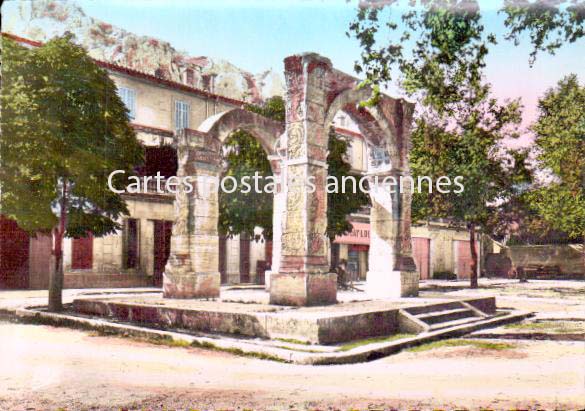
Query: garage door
[[463, 255], [421, 250]]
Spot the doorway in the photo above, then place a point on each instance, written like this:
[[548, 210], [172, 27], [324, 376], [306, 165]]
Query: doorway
[[14, 255], [244, 258], [162, 248], [421, 252]]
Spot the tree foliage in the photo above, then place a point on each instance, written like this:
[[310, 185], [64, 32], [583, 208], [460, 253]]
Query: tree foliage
[[438, 51], [560, 139], [428, 35], [339, 204], [241, 212], [548, 24], [64, 129]]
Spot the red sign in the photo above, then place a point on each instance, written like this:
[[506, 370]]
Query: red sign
[[359, 235]]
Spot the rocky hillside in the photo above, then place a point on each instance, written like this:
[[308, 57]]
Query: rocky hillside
[[43, 19]]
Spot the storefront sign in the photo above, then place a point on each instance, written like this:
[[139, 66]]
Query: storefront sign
[[359, 235]]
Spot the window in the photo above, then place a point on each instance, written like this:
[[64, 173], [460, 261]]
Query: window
[[349, 153], [131, 243], [181, 115], [189, 76], [128, 97], [379, 157]]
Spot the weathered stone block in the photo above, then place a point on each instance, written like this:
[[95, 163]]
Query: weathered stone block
[[302, 289], [193, 285]]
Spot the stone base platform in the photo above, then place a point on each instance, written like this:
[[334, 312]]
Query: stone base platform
[[317, 325]]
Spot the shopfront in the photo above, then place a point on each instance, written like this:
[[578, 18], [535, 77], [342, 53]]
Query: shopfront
[[353, 247]]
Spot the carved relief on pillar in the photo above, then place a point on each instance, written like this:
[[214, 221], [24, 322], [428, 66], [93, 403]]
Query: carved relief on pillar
[[293, 237], [296, 144], [181, 204]]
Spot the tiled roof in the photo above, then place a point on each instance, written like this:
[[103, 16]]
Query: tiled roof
[[138, 74]]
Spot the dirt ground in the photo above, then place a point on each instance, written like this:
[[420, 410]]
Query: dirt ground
[[46, 368]]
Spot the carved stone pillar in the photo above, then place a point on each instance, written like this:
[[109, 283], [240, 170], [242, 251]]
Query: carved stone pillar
[[303, 277], [192, 268], [278, 209], [392, 271]]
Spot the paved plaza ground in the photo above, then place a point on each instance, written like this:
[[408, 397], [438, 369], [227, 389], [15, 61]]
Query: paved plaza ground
[[44, 367]]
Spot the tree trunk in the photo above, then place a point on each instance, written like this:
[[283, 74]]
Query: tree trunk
[[583, 251], [56, 273], [474, 262]]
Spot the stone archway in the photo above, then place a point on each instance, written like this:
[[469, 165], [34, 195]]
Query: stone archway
[[315, 92], [192, 268]]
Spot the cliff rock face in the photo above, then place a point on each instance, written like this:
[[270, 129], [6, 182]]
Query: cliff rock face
[[43, 19]]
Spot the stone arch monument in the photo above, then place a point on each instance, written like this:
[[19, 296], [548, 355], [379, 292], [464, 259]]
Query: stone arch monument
[[315, 93]]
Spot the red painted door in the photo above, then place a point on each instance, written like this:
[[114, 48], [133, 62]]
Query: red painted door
[[14, 255], [464, 259], [162, 248], [244, 258], [222, 261], [421, 252], [82, 253], [268, 253]]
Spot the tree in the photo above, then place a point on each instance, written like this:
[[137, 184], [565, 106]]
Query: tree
[[241, 212], [439, 57], [455, 28], [560, 139], [516, 221], [64, 130], [339, 204], [468, 153]]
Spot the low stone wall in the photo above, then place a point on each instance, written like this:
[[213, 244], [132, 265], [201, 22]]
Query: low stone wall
[[314, 326], [567, 258], [105, 280]]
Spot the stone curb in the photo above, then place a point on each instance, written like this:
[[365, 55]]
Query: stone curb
[[535, 336], [241, 347]]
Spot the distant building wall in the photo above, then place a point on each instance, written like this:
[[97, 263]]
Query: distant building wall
[[155, 104], [445, 245], [568, 258]]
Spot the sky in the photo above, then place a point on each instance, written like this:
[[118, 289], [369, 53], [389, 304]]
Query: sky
[[257, 34]]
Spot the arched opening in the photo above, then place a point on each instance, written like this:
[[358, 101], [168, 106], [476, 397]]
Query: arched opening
[[245, 221], [245, 212], [367, 148], [193, 269], [389, 246]]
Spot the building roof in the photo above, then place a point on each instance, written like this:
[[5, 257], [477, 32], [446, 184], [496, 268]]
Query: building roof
[[143, 76]]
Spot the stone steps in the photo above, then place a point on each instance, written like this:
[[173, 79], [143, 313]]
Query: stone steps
[[423, 309], [445, 315], [454, 323]]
